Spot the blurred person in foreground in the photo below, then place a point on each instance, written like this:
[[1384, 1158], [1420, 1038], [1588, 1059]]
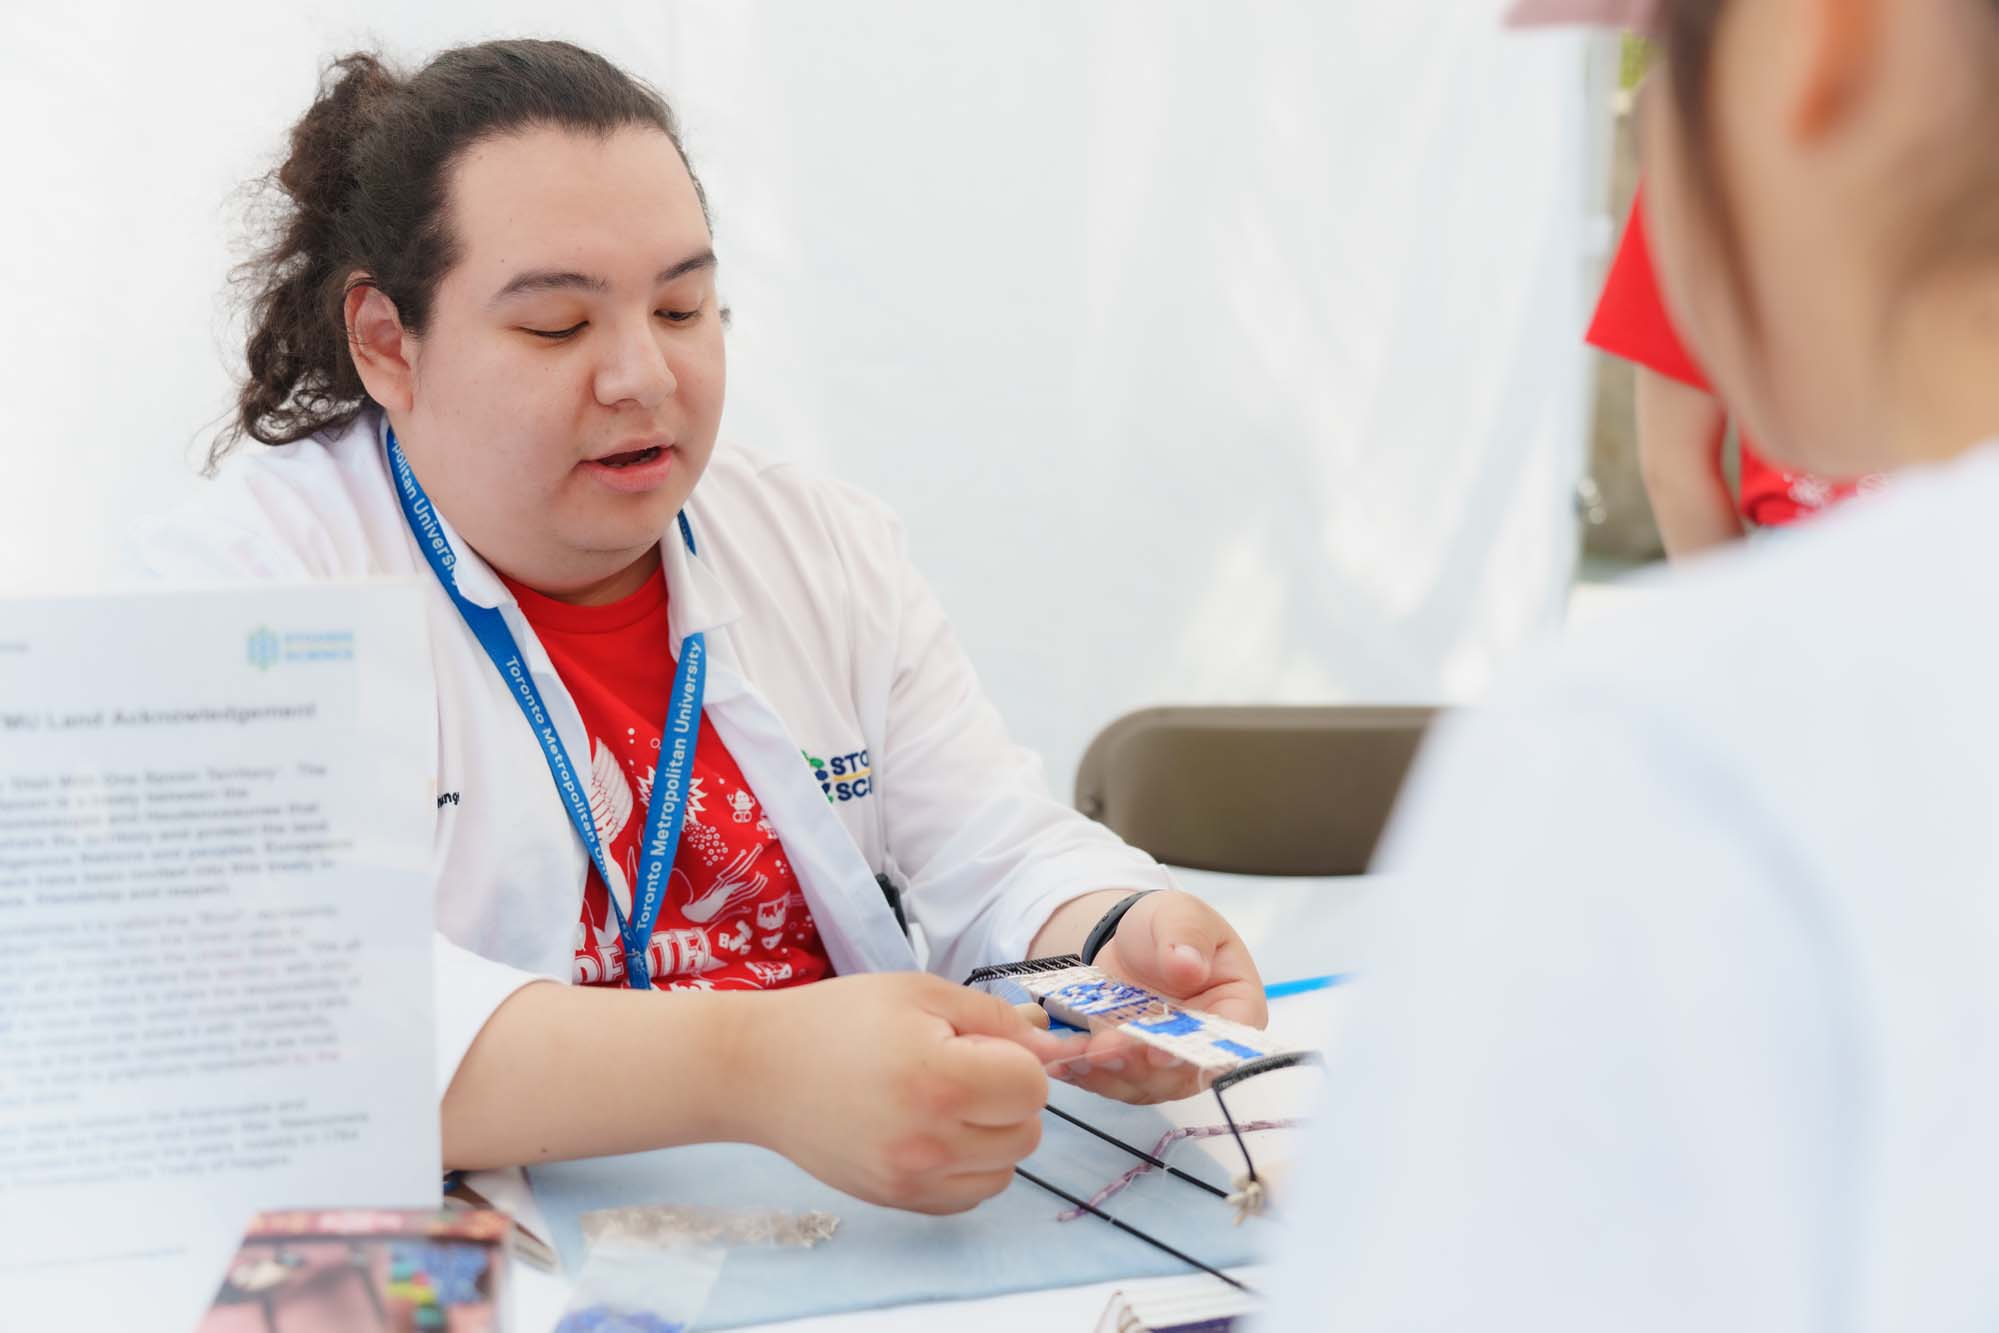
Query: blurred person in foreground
[[1671, 1028]]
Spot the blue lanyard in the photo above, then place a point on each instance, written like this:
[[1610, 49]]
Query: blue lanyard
[[666, 815]]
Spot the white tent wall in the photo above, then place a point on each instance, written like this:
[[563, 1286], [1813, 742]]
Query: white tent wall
[[1210, 352]]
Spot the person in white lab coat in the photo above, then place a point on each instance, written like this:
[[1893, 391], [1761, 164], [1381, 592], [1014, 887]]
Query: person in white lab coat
[[691, 703], [1676, 1022]]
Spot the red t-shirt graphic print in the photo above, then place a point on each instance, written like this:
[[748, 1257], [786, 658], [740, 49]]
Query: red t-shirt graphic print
[[733, 917]]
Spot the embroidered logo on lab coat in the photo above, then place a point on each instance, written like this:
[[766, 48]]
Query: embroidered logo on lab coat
[[845, 777]]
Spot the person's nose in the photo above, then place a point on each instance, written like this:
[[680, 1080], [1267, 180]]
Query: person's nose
[[636, 369]]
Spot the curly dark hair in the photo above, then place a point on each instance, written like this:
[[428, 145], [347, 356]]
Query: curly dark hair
[[361, 198]]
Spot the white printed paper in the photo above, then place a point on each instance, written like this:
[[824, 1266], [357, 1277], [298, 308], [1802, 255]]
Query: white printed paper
[[216, 812]]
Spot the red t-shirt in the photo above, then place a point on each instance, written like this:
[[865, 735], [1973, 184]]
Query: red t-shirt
[[1632, 323], [733, 917]]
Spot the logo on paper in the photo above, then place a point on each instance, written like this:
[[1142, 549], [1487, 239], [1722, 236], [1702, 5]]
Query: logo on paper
[[263, 648]]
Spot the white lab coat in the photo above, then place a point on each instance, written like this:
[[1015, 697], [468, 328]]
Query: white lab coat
[[1686, 1009], [824, 642]]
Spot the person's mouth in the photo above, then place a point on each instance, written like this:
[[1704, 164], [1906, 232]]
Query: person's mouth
[[635, 466], [632, 457]]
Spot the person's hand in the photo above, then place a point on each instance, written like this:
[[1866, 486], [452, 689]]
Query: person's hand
[[1173, 943], [898, 1088]]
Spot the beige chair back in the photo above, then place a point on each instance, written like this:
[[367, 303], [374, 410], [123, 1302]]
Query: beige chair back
[[1252, 790]]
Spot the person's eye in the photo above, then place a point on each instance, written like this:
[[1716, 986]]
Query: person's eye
[[557, 335], [679, 316]]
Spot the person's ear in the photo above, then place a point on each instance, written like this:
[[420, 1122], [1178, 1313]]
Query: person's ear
[[1837, 45], [381, 347]]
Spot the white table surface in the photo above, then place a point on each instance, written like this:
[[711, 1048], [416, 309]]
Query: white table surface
[[1295, 928]]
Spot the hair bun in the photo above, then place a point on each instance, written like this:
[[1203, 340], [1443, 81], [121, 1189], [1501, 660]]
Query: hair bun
[[318, 172]]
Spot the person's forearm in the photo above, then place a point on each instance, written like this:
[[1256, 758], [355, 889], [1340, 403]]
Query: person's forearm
[[1069, 925], [570, 1071], [1681, 431]]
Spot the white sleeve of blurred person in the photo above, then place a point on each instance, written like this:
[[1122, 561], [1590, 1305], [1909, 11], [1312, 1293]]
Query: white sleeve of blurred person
[[1595, 1074]]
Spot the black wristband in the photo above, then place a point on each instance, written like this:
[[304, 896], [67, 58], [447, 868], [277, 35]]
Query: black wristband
[[1100, 934]]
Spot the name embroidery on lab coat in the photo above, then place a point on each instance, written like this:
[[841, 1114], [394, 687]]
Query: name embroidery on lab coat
[[845, 777]]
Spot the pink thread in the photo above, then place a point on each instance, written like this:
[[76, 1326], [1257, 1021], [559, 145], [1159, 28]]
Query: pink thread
[[1167, 1140]]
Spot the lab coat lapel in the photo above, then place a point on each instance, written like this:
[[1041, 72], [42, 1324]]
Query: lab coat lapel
[[855, 924]]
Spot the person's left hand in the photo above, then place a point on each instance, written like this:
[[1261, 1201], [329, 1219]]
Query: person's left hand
[[1173, 943]]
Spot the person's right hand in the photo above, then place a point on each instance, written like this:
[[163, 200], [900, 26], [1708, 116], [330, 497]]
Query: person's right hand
[[898, 1088]]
